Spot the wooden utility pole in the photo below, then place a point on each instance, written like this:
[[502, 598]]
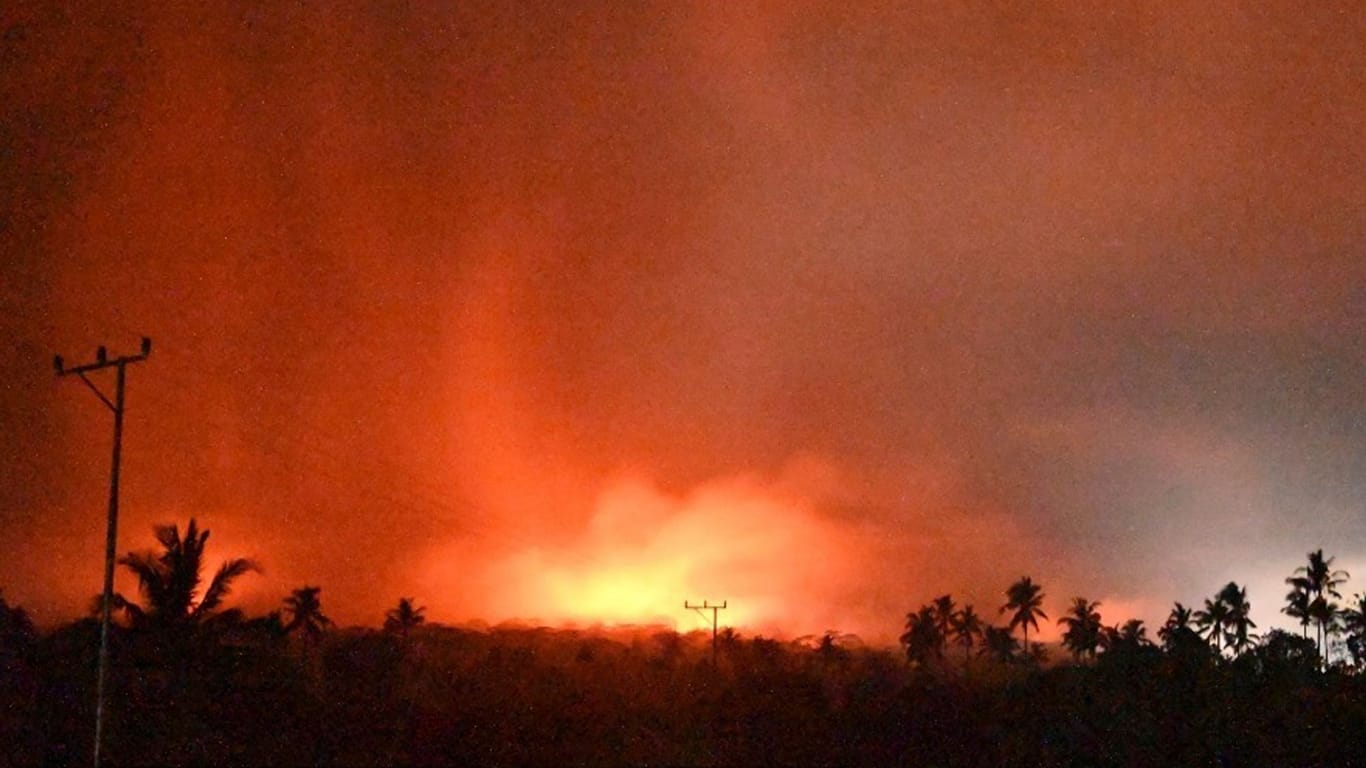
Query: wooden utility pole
[[111, 532], [713, 608]]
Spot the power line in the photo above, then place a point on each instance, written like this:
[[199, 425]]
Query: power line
[[714, 608], [300, 441], [121, 363]]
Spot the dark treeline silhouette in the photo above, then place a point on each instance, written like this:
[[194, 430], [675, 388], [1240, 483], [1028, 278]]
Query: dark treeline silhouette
[[196, 684]]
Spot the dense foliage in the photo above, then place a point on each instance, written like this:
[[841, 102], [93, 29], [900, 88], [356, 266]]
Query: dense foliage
[[250, 694], [193, 686]]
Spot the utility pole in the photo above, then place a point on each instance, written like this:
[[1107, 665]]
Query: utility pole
[[713, 608], [111, 533]]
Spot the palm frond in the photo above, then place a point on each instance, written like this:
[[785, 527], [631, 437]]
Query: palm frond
[[151, 573], [221, 584], [169, 535], [185, 563], [132, 610]]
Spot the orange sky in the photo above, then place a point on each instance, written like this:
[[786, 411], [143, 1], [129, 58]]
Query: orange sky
[[822, 309]]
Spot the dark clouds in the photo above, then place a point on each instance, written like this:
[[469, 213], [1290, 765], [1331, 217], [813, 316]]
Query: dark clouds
[[425, 276]]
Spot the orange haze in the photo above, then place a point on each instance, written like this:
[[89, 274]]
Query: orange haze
[[574, 312]]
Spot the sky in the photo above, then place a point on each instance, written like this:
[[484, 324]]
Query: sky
[[577, 313]]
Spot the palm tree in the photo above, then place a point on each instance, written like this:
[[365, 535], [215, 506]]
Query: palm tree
[[967, 627], [1326, 615], [1177, 620], [1134, 633], [1025, 599], [999, 644], [944, 611], [169, 581], [1354, 624], [921, 638], [1125, 642], [1320, 574], [1238, 623], [1083, 632], [1320, 582], [1297, 602], [1176, 632], [306, 612], [1212, 621], [404, 617]]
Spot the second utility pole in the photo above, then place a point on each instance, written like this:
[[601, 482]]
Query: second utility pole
[[111, 531], [714, 609]]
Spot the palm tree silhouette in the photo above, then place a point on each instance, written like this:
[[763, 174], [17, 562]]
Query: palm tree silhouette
[[921, 638], [1238, 622], [1213, 621], [967, 627], [1133, 633], [1177, 620], [943, 618], [404, 617], [1177, 633], [306, 612], [169, 580], [1354, 624], [1083, 632], [1325, 613], [999, 644], [1024, 598], [1297, 602], [1320, 583]]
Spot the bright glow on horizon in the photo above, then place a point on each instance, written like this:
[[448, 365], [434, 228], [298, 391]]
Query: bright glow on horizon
[[645, 552]]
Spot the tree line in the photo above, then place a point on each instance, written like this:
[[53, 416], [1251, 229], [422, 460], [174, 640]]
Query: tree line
[[195, 682], [1224, 623]]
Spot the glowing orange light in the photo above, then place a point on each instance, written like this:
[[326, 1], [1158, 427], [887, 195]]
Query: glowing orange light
[[645, 552], [618, 592]]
